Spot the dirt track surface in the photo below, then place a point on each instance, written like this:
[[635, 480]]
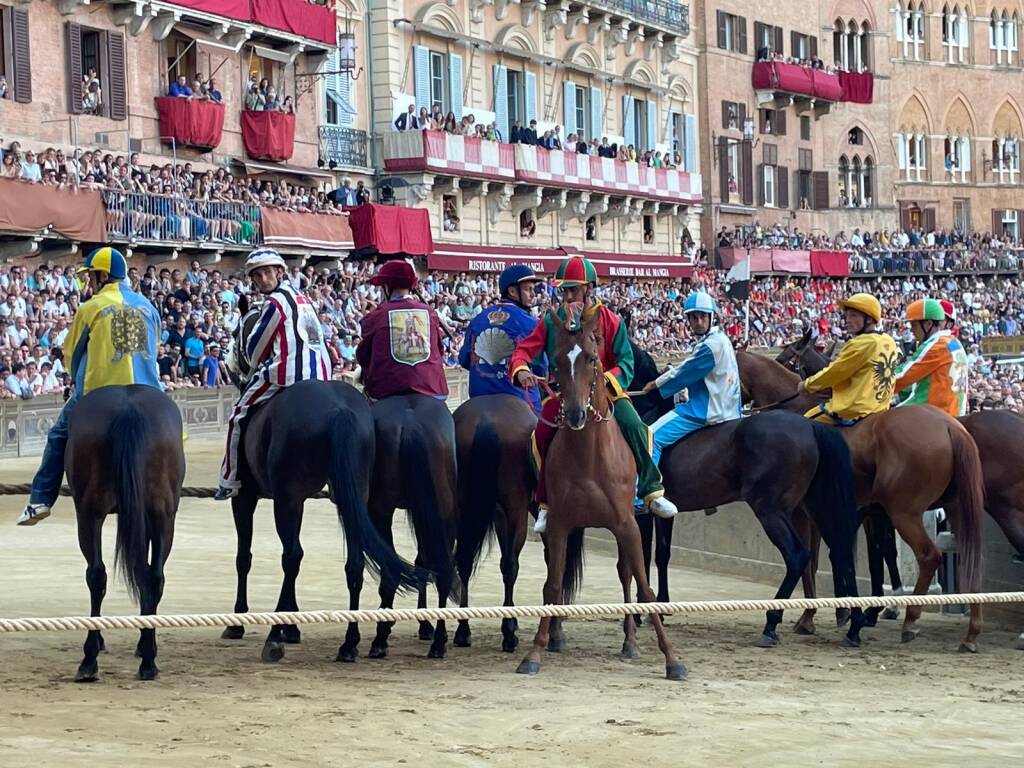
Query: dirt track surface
[[807, 702]]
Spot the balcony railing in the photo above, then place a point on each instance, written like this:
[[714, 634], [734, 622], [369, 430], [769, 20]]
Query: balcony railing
[[668, 14], [175, 218], [342, 146]]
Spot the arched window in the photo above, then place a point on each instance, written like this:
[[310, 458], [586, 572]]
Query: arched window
[[1002, 37], [856, 182], [844, 182], [956, 27], [956, 159], [910, 19], [912, 154], [850, 45], [1006, 159], [865, 46]]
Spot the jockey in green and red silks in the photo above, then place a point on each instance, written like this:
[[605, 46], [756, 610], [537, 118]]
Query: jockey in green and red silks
[[576, 278]]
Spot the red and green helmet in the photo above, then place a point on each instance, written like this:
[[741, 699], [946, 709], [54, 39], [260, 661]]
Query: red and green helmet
[[575, 270]]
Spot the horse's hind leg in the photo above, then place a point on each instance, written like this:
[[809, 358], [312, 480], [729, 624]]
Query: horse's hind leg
[[382, 519], [629, 648], [511, 538], [911, 528], [810, 536], [628, 538], [464, 562], [662, 555], [426, 629], [355, 565], [90, 541], [645, 523], [153, 589], [288, 520], [243, 508], [795, 555], [555, 540]]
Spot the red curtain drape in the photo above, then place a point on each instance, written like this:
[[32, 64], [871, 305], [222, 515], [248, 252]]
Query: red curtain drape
[[299, 17], [794, 78], [790, 261], [268, 135], [858, 87], [391, 230], [191, 123], [830, 263]]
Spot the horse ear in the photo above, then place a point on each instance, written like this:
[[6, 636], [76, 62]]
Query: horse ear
[[243, 303]]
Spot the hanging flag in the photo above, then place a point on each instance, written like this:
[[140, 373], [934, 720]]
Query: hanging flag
[[737, 281]]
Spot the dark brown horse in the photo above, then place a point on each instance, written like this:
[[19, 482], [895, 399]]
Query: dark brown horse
[[125, 458], [496, 480], [591, 478], [907, 460]]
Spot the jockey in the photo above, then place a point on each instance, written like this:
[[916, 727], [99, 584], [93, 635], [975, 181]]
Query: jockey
[[950, 311], [493, 334], [400, 352], [285, 347], [709, 375], [576, 279], [862, 376], [113, 340], [936, 374]]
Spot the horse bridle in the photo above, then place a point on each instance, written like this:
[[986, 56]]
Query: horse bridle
[[595, 415]]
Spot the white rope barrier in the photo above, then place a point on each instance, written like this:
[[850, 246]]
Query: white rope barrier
[[594, 611]]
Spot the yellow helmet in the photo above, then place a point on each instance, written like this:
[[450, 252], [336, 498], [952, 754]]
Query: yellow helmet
[[863, 302]]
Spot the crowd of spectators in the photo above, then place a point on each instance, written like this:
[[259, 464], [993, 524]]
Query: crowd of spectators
[[767, 53], [436, 120], [262, 96], [200, 90]]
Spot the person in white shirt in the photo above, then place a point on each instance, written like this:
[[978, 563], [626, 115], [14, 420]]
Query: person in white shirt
[[17, 334]]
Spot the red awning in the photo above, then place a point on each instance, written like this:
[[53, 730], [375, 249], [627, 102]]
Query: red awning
[[268, 135], [189, 122], [486, 258], [390, 230], [298, 17], [830, 263], [794, 78], [314, 231]]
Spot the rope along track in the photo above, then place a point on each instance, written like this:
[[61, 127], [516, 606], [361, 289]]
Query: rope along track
[[187, 491], [595, 611]]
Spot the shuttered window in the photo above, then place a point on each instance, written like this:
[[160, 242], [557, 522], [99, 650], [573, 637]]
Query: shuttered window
[[101, 54], [15, 58]]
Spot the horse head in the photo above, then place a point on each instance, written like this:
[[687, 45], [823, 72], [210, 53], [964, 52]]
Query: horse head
[[239, 366], [578, 342], [797, 355]]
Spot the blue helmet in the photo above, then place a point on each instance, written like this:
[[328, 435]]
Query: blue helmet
[[516, 274], [699, 301], [106, 259]]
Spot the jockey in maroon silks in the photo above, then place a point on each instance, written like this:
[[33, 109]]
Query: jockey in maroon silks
[[576, 278], [400, 352]]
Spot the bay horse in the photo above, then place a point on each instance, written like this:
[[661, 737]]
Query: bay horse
[[311, 434], [496, 482], [906, 460], [125, 457], [414, 470], [784, 467], [591, 478]]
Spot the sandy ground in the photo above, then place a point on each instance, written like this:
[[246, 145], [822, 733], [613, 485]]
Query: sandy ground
[[807, 702]]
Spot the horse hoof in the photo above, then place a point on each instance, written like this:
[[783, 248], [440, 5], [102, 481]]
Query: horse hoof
[[909, 635], [347, 654], [233, 633], [630, 651], [842, 617], [1019, 645], [966, 647], [870, 619], [556, 644], [676, 672], [803, 628], [463, 639], [849, 642], [86, 674], [272, 652], [291, 635], [528, 667], [891, 613], [148, 673], [767, 641], [510, 643], [426, 631], [438, 651], [378, 651]]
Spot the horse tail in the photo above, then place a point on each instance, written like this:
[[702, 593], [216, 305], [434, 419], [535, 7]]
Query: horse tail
[[572, 576], [348, 457], [429, 525], [476, 521], [130, 449], [831, 495], [970, 490]]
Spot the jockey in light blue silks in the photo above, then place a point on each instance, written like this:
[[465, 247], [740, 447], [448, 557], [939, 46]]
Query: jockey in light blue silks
[[709, 375]]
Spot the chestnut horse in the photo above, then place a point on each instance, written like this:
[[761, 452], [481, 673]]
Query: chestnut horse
[[591, 479], [907, 460]]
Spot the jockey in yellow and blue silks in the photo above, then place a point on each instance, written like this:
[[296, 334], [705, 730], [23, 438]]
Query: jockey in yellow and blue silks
[[113, 341], [709, 375]]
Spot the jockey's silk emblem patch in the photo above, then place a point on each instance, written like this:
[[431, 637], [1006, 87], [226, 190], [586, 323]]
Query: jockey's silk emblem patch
[[409, 332], [128, 332], [498, 317], [309, 326]]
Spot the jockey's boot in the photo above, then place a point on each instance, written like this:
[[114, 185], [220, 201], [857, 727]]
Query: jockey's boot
[[663, 508], [33, 513], [542, 520], [224, 493]]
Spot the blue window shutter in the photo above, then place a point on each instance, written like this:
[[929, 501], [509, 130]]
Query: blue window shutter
[[455, 83], [690, 142], [421, 67], [596, 113], [652, 124], [569, 107], [530, 86], [501, 100], [628, 134]]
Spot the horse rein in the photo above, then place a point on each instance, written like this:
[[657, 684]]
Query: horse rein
[[776, 404], [595, 415]]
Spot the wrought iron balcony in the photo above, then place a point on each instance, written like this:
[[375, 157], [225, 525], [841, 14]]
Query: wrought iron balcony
[[343, 146], [672, 15]]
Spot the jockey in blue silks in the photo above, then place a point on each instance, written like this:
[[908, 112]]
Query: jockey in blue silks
[[493, 334], [709, 375]]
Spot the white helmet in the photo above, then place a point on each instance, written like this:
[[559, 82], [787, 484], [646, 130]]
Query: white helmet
[[264, 257]]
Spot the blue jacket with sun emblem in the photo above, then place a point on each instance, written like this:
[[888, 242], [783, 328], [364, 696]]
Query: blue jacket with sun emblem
[[490, 341]]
